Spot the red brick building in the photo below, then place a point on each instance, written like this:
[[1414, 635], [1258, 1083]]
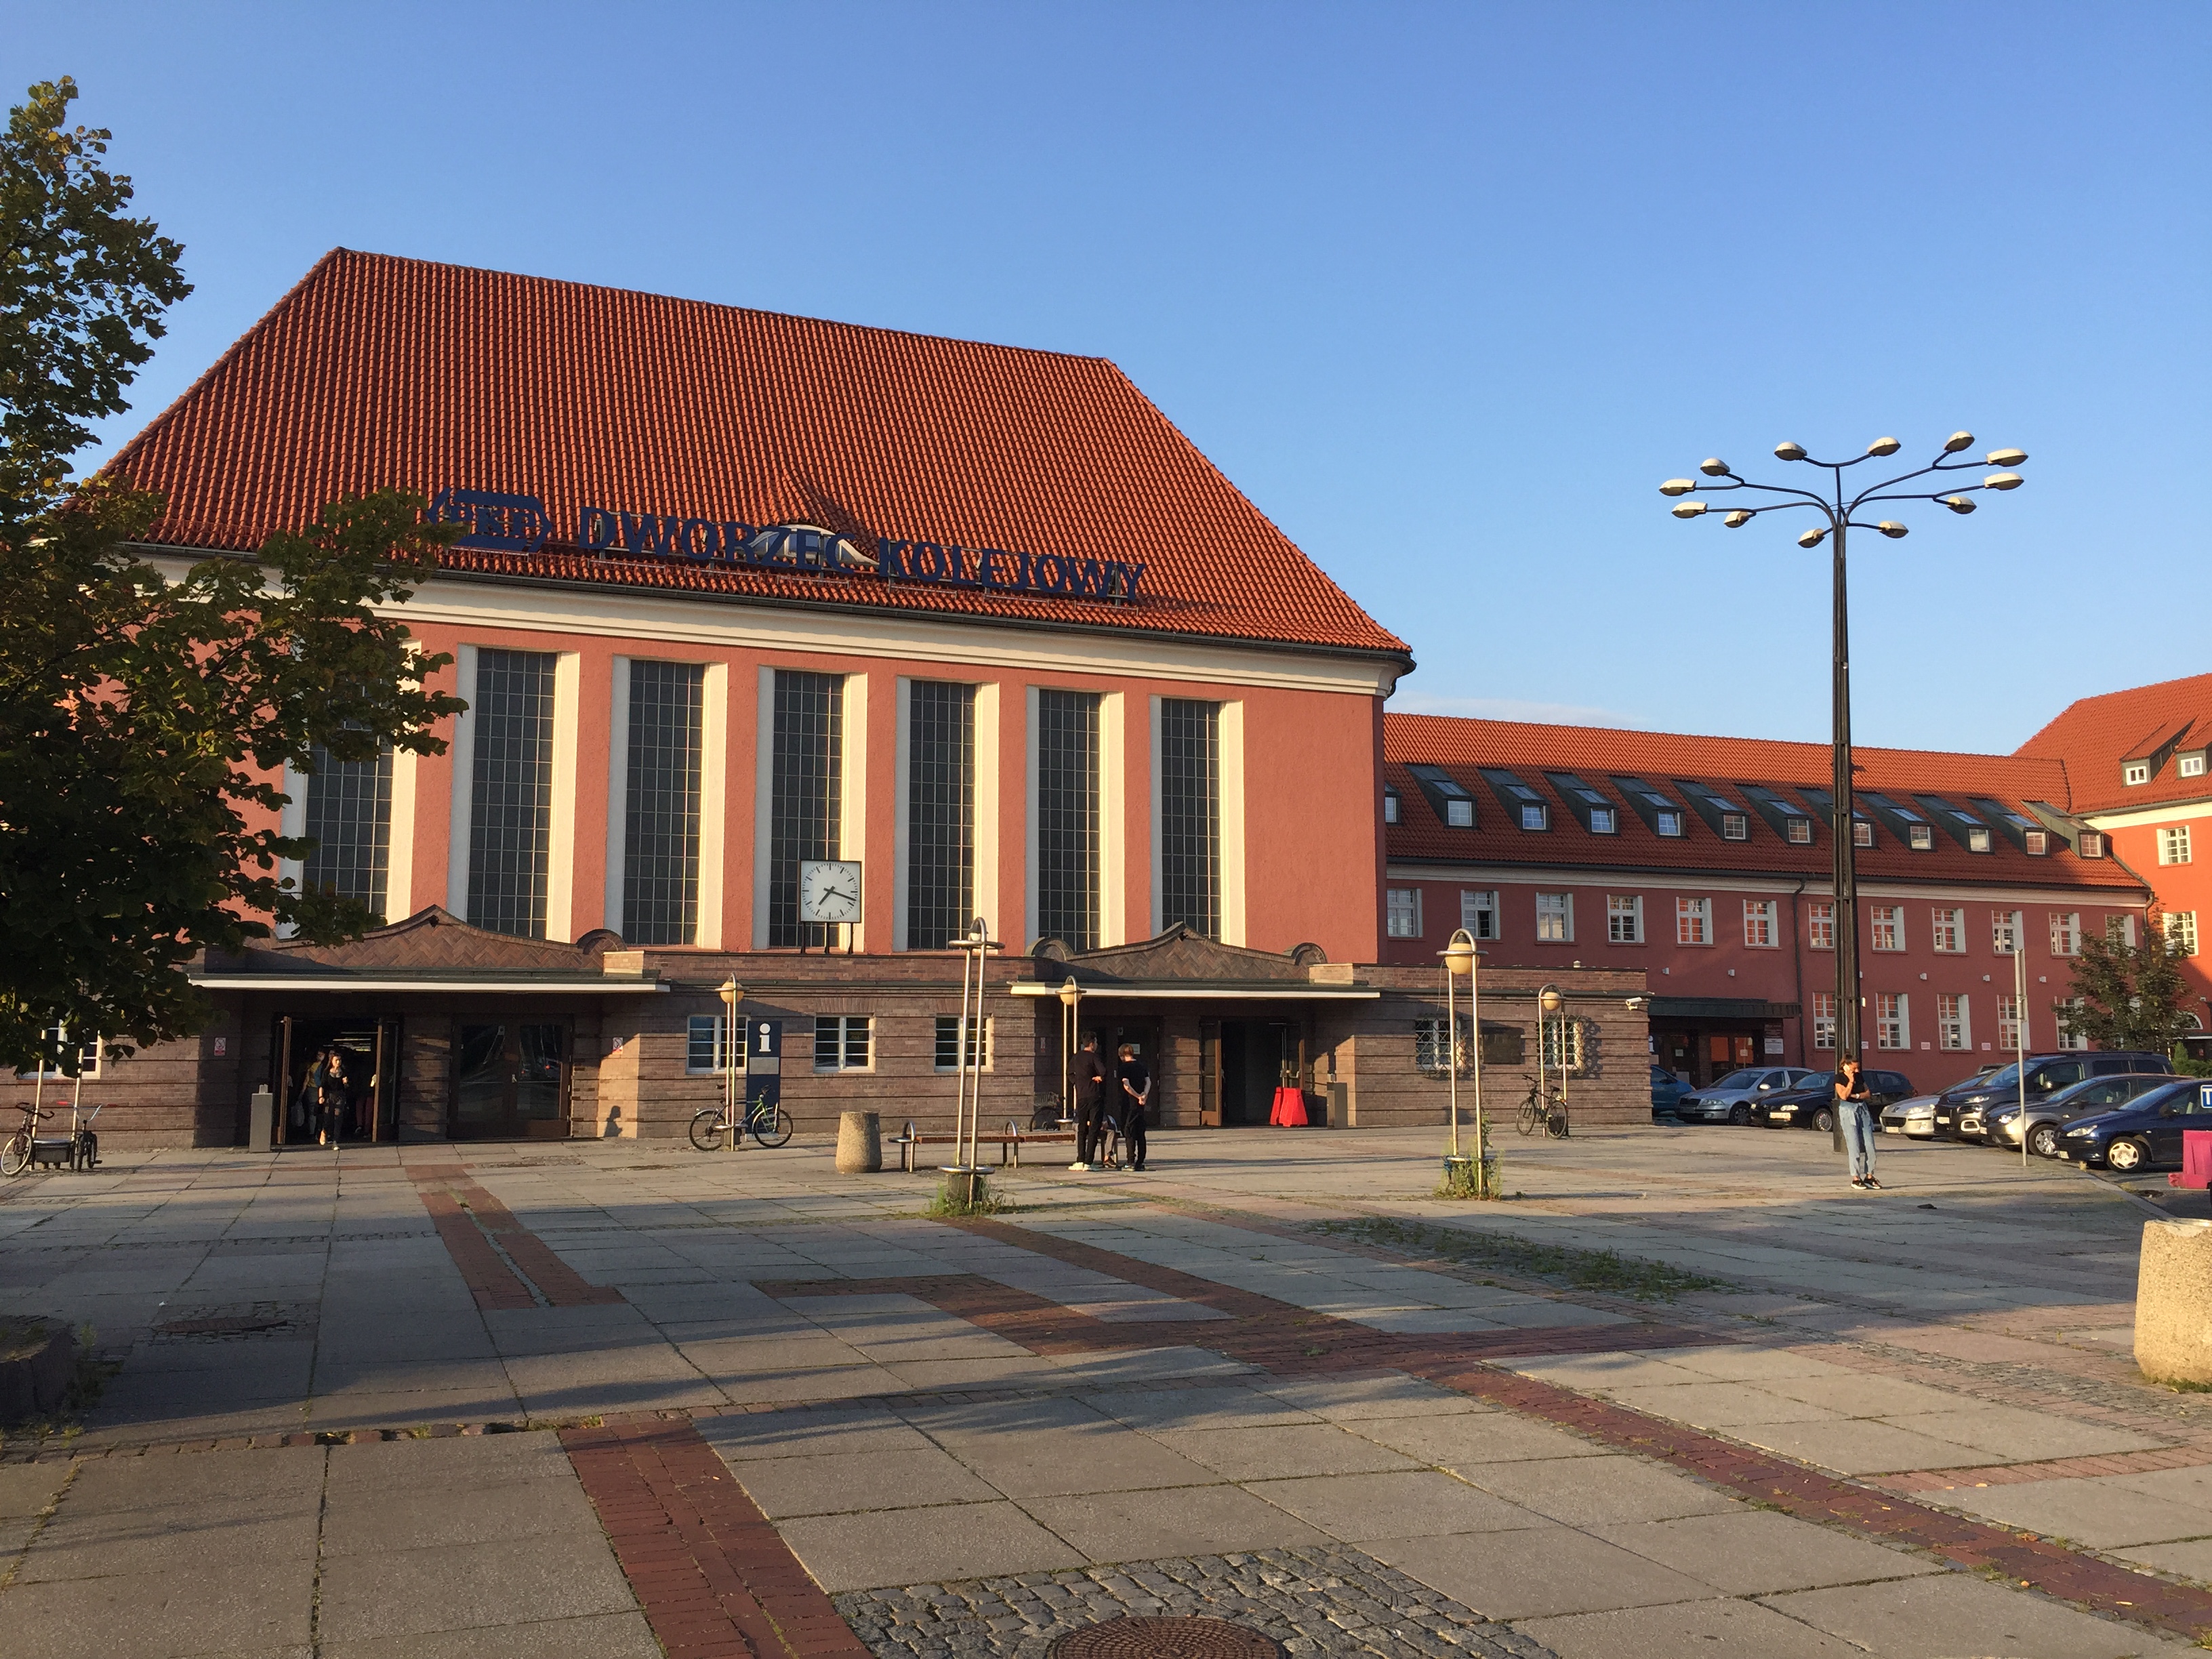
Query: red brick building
[[1706, 861]]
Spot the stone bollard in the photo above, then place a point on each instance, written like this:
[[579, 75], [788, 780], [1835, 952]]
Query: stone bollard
[[859, 1143], [2173, 1302]]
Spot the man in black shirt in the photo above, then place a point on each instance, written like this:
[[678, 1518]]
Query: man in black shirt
[[1088, 1074], [1135, 1083]]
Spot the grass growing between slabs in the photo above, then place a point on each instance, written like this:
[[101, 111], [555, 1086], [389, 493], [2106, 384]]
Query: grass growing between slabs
[[1605, 1271]]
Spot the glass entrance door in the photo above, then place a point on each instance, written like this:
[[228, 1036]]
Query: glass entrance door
[[510, 1081]]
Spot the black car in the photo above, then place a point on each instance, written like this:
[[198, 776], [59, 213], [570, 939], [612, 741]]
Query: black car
[[2046, 1075], [2143, 1134], [1814, 1106], [2048, 1119]]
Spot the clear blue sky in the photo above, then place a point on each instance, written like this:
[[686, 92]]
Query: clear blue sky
[[1446, 290]]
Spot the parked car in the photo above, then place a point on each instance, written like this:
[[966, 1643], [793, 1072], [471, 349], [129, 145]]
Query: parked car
[[1665, 1089], [1812, 1105], [2049, 1117], [2046, 1075], [1729, 1100], [1914, 1116], [2143, 1134]]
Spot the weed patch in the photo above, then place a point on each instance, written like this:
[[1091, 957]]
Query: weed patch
[[1606, 1271]]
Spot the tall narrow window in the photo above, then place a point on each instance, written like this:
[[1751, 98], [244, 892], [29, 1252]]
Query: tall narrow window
[[2181, 931], [1953, 1027], [1189, 764], [1067, 854], [1623, 918], [2008, 1021], [1824, 1019], [940, 813], [2004, 931], [1759, 922], [1693, 921], [1555, 917], [2173, 844], [2065, 933], [1478, 912], [807, 784], [661, 811], [1946, 927], [1820, 924], [1892, 1022], [1402, 912], [348, 817], [1885, 927], [511, 792]]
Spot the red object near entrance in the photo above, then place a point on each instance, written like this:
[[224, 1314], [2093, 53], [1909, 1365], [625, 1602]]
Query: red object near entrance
[[2196, 1159], [1290, 1110]]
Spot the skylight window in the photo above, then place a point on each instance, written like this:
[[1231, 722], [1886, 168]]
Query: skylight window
[[1670, 823], [1459, 813], [1923, 838], [1978, 841], [1800, 832], [1601, 821]]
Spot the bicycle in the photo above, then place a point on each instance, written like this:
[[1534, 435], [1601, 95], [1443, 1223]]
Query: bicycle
[[1544, 1109], [768, 1125]]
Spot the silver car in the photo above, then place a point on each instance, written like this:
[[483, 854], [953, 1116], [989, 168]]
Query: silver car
[[1914, 1116], [1729, 1101]]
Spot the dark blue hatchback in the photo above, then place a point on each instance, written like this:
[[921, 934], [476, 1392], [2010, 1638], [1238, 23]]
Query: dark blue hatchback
[[2146, 1132]]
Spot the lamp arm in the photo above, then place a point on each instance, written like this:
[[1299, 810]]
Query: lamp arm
[[1932, 495], [1868, 493], [1745, 483]]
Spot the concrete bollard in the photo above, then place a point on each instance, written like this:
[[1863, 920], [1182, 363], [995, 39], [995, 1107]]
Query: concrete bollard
[[261, 1122], [859, 1143], [2173, 1302]]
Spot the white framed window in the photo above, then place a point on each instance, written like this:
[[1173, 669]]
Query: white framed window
[[1892, 1021], [1885, 928], [2065, 933], [1555, 918], [1668, 823], [1759, 930], [1947, 929], [2008, 1021], [1820, 924], [1402, 912], [2181, 931], [1623, 918], [843, 1042], [1953, 1029], [2092, 844], [2135, 771], [1602, 821], [1922, 836], [947, 1054], [2005, 931], [2173, 844], [1431, 1051], [1861, 833], [2192, 764], [2067, 1008], [1562, 1044], [2121, 930], [1800, 831], [1535, 816], [88, 1056], [1390, 807], [1459, 812], [1735, 826], [1824, 1019], [1478, 912], [1693, 921], [1977, 840], [2039, 842]]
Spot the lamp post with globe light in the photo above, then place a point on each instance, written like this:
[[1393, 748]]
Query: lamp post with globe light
[[1459, 959], [1838, 512]]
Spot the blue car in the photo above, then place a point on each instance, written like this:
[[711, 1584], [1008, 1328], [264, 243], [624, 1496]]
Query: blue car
[[1665, 1089], [2143, 1134]]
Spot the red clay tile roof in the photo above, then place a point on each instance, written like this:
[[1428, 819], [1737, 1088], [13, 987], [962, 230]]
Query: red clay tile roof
[[377, 371], [2157, 723], [1603, 757]]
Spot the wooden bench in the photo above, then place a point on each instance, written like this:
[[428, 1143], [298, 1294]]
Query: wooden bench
[[1009, 1140]]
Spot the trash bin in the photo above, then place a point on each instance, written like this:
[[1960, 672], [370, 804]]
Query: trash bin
[[859, 1143]]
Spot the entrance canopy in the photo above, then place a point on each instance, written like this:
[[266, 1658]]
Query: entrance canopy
[[1180, 966], [433, 950]]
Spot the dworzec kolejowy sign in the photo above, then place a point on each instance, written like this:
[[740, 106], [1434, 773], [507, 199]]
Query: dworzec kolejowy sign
[[503, 523]]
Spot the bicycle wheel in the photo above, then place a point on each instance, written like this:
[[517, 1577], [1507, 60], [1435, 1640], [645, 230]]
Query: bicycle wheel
[[1528, 1117], [1555, 1122], [707, 1128], [772, 1128], [15, 1155]]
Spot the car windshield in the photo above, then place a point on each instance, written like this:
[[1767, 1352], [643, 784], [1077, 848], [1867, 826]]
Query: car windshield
[[2184, 1092], [2003, 1078], [1740, 1080]]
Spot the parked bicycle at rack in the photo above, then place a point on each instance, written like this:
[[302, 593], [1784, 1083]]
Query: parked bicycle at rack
[[1545, 1109], [768, 1125]]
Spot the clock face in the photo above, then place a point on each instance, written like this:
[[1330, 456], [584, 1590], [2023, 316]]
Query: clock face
[[830, 890]]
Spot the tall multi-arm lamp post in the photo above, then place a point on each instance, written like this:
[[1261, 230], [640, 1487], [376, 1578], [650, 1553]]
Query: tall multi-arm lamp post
[[1839, 511]]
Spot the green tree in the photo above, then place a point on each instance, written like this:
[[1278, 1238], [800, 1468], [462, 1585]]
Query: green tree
[[145, 718], [2130, 996]]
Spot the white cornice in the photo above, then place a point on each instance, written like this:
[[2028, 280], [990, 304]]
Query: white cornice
[[1698, 881], [2135, 817]]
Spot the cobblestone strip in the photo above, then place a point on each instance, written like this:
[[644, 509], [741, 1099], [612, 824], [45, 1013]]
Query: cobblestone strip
[[714, 1578], [1322, 1601]]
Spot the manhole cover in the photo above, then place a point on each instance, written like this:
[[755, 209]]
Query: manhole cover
[[1165, 1638]]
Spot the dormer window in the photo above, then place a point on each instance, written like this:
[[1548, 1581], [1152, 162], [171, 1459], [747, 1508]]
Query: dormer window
[[1922, 836], [1390, 807], [2038, 841], [1734, 826], [2092, 844], [1861, 833], [1669, 823], [2192, 764], [1601, 821], [1460, 814], [2135, 771], [1978, 841], [1800, 832], [1534, 817]]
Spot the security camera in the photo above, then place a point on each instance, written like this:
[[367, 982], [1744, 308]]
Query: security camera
[[1637, 1005]]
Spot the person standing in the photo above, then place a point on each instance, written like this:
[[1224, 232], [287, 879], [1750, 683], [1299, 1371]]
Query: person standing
[[1136, 1086], [1855, 1108], [332, 1099], [1088, 1075]]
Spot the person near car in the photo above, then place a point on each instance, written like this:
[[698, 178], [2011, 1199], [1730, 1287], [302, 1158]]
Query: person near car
[[1089, 1077], [1135, 1082], [1855, 1108]]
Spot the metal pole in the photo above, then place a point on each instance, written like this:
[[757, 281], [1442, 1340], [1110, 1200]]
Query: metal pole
[[1847, 880], [960, 1072], [1474, 1019], [1451, 1054], [2019, 1024]]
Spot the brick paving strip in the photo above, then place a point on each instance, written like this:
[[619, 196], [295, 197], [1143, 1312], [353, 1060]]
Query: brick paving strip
[[476, 1228], [715, 1578]]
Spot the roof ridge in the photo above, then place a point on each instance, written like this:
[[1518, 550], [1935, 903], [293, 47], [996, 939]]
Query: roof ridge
[[1533, 727]]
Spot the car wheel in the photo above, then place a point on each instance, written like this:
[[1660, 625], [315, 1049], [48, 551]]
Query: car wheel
[[2043, 1141], [1738, 1113], [2127, 1155], [1824, 1120]]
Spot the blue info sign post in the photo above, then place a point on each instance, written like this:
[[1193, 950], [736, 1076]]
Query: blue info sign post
[[764, 1073]]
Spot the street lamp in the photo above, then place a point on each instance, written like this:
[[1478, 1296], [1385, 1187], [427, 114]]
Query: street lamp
[[1838, 512], [1550, 1001], [733, 995], [1071, 1020], [1459, 958]]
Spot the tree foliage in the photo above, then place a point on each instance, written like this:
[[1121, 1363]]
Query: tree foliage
[[148, 707], [2130, 996]]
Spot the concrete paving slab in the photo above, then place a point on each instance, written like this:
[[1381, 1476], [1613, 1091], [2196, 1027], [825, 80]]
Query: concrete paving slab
[[1466, 1440], [1360, 1399], [368, 1519], [1534, 1571], [255, 1606], [837, 1483], [1229, 1407], [461, 1587], [1126, 1526], [2009, 1434], [971, 1373], [1405, 1503], [1107, 1456], [1281, 1452], [1686, 1629], [1113, 1367], [581, 1381], [1588, 1491], [1952, 1614], [1598, 1373], [920, 1547], [1864, 1395], [2192, 1484], [447, 1464], [2191, 1559], [1744, 1364], [599, 1636], [1760, 1553], [742, 1438], [2096, 1512], [1719, 1405], [1861, 1448]]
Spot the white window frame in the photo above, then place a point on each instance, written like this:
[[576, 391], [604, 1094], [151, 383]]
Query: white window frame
[[1762, 917], [1861, 833], [1885, 916], [1820, 924], [1623, 918], [2191, 765], [1921, 837], [1390, 808], [845, 1024], [2135, 771], [1459, 812], [1799, 832], [1693, 915], [1824, 1019], [2174, 843], [1428, 1045], [1604, 821], [1667, 821], [1892, 1020], [981, 1038], [1556, 909], [2006, 928], [2121, 929], [2092, 844], [2067, 1037], [2038, 842], [1534, 816], [1567, 1035], [1735, 826], [2181, 928], [1946, 930], [1402, 912], [1478, 911], [1955, 1024], [1977, 840], [86, 1052], [2065, 933]]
